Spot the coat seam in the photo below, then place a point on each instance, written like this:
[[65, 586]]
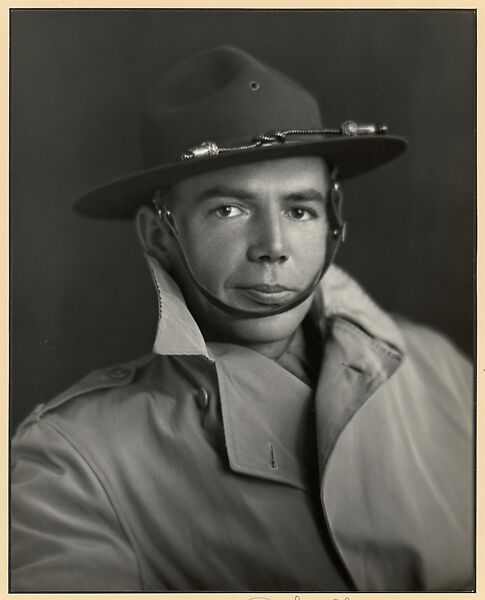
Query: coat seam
[[97, 472]]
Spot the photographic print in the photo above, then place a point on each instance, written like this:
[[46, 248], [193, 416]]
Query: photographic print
[[242, 301]]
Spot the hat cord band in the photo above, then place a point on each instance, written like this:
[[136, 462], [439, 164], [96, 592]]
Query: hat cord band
[[348, 128], [336, 235]]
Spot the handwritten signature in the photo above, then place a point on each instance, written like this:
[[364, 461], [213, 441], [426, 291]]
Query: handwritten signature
[[296, 598]]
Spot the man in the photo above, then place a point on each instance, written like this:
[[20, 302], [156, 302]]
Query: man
[[285, 434]]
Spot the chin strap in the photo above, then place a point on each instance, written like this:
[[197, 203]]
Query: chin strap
[[335, 235]]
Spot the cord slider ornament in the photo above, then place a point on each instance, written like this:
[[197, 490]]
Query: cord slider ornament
[[201, 151], [353, 128]]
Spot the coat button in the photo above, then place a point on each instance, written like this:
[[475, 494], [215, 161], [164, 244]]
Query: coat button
[[119, 372], [202, 397]]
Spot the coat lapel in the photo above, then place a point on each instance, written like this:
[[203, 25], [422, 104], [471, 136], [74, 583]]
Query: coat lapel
[[267, 412], [353, 367]]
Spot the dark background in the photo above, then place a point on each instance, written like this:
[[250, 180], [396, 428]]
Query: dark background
[[81, 296]]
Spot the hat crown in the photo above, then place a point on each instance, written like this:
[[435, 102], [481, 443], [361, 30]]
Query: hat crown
[[223, 95]]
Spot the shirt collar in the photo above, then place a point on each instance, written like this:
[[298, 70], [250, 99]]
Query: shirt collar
[[178, 333]]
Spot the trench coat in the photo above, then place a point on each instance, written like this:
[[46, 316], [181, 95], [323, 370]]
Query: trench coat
[[185, 469]]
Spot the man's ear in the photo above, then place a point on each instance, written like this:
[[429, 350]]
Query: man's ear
[[154, 236]]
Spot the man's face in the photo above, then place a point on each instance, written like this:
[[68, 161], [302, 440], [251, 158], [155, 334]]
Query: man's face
[[255, 237]]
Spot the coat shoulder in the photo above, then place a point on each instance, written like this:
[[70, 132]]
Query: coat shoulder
[[418, 335], [435, 367], [91, 387], [431, 348]]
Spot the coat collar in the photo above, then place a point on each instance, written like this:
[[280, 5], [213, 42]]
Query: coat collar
[[177, 332]]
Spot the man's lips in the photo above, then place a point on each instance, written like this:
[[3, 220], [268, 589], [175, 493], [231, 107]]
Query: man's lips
[[264, 293], [267, 288]]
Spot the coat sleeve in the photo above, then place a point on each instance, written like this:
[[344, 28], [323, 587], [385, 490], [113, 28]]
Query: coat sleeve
[[65, 533]]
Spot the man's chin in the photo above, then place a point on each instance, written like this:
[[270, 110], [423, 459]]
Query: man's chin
[[246, 331]]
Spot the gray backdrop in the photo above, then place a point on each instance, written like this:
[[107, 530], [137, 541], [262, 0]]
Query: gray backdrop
[[81, 296]]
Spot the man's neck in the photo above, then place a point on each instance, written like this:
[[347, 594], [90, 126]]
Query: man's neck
[[272, 350]]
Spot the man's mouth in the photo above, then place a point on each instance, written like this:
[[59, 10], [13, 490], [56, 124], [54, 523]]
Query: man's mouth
[[268, 294]]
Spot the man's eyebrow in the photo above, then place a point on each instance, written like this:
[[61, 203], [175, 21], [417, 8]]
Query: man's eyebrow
[[224, 191], [307, 194]]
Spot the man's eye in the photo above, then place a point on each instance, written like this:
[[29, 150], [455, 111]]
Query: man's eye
[[300, 214], [227, 211]]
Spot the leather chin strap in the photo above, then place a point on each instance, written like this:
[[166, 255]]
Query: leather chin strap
[[335, 235]]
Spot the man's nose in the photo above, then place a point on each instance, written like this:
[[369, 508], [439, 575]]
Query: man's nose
[[269, 242]]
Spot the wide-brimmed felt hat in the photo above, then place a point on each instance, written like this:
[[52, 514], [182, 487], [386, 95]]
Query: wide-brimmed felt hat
[[223, 108]]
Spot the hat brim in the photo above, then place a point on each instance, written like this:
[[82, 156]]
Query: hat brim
[[120, 199]]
